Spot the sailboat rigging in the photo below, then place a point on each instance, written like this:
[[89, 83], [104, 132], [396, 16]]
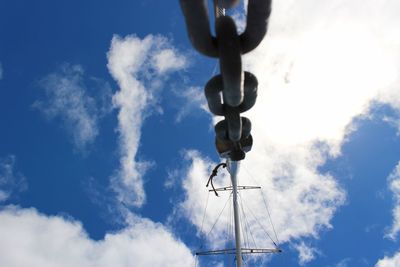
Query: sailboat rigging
[[246, 244]]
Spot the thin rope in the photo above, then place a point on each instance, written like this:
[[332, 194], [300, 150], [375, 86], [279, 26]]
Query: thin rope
[[213, 175]]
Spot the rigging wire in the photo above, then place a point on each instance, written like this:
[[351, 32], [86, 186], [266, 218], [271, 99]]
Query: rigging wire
[[248, 223], [230, 224], [266, 206], [256, 219], [232, 232], [212, 228], [201, 228], [243, 225], [228, 230], [269, 216], [244, 233], [204, 214], [215, 223]]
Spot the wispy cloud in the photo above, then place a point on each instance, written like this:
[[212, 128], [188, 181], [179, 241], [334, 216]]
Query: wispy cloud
[[11, 180], [192, 101], [66, 97], [315, 77], [140, 66], [1, 71], [344, 263], [394, 120], [394, 185], [65, 243]]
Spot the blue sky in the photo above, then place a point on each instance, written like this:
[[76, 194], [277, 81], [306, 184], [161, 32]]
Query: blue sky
[[106, 142]]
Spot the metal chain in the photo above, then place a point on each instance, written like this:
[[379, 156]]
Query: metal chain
[[234, 91]]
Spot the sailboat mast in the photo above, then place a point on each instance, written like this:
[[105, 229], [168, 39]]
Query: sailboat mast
[[233, 168]]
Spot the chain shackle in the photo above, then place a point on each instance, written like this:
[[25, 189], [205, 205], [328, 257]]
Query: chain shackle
[[235, 150], [198, 27], [233, 128], [258, 12], [233, 91], [222, 133], [213, 90]]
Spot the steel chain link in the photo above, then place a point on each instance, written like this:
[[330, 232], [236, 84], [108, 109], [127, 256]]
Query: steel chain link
[[237, 87]]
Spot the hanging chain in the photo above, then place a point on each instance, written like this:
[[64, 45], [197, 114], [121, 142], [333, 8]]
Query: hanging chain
[[234, 91]]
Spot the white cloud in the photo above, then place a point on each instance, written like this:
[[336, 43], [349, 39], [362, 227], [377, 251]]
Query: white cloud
[[66, 98], [321, 65], [29, 238], [394, 184], [140, 67], [306, 253], [167, 60], [10, 179], [389, 261]]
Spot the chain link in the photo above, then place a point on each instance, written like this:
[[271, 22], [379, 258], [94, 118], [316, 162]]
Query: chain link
[[234, 91]]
